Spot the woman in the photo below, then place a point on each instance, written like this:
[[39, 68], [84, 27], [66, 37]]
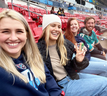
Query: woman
[[96, 65], [22, 71], [52, 11], [63, 13], [59, 11], [57, 54]]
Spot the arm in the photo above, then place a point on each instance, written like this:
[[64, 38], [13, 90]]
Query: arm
[[99, 47], [80, 65], [96, 51], [95, 38], [74, 62], [80, 58], [51, 84]]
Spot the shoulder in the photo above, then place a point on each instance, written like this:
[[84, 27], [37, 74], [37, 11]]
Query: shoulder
[[81, 34], [69, 44], [78, 37], [93, 32], [5, 77], [3, 72], [41, 44]]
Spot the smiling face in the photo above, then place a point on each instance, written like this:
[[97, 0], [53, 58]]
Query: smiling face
[[74, 27], [12, 36], [90, 25], [54, 32]]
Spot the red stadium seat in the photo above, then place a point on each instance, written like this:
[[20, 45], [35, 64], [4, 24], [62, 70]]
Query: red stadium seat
[[36, 38], [37, 31], [31, 23]]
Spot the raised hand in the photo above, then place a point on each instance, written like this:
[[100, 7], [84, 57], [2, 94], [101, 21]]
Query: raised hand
[[80, 52]]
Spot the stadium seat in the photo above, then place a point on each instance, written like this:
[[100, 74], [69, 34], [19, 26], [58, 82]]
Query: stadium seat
[[36, 38], [37, 31], [31, 23]]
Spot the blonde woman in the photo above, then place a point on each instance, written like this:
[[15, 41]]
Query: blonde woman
[[57, 54], [22, 71]]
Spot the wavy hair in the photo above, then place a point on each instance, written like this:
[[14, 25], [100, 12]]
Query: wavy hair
[[68, 33], [34, 59]]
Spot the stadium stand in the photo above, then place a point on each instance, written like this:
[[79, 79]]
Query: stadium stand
[[33, 11]]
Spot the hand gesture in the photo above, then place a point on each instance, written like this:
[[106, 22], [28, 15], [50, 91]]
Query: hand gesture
[[80, 52]]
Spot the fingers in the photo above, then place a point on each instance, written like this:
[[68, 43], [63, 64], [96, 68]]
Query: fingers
[[85, 49], [75, 47], [82, 53], [80, 48]]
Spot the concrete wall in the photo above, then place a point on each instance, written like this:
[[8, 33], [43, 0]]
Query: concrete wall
[[102, 40]]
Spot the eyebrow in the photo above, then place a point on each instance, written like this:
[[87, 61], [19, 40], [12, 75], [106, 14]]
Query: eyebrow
[[4, 29], [9, 29]]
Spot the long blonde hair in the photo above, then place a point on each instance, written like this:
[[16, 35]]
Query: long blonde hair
[[30, 49], [60, 44]]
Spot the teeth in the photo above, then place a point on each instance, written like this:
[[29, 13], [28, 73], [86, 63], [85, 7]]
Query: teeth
[[13, 44], [54, 33]]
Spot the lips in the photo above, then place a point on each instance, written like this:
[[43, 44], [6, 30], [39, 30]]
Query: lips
[[55, 34], [13, 45]]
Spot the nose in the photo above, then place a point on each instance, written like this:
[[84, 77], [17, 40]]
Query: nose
[[73, 25], [13, 36]]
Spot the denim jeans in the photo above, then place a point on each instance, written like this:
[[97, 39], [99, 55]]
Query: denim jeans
[[87, 85], [96, 66]]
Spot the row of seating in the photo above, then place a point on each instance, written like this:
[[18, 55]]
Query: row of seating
[[35, 20]]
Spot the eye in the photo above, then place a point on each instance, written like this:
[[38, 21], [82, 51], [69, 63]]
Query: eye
[[59, 26], [75, 23], [53, 25], [20, 31], [5, 31]]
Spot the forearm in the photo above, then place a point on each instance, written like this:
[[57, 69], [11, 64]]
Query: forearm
[[96, 51], [99, 47], [81, 65]]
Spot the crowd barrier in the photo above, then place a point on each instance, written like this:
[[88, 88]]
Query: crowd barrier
[[52, 3]]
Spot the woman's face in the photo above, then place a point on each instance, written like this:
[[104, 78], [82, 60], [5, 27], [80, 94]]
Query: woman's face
[[13, 36], [55, 31], [74, 27]]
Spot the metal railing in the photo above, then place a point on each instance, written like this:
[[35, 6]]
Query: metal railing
[[28, 5]]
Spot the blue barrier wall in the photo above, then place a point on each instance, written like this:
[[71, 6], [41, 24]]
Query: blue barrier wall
[[52, 3], [62, 5], [43, 1]]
